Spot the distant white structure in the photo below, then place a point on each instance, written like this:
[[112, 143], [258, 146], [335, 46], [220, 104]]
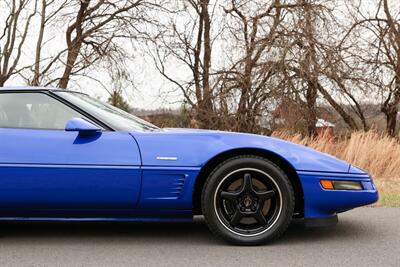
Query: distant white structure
[[324, 128], [321, 123]]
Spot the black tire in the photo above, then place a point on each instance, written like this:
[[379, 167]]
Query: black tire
[[235, 215]]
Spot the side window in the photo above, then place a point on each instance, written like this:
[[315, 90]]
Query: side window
[[34, 111]]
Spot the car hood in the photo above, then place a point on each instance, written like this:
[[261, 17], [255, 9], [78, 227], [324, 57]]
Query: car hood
[[195, 147]]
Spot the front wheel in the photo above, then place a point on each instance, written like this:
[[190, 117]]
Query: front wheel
[[248, 200]]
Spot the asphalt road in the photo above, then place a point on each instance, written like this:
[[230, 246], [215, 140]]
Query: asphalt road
[[363, 237]]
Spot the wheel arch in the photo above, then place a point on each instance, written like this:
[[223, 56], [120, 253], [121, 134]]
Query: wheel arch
[[275, 158]]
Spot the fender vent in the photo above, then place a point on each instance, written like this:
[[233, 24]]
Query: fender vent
[[177, 186]]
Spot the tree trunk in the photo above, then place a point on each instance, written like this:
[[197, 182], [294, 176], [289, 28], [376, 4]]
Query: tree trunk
[[207, 101], [36, 73], [311, 70], [346, 117], [73, 53], [204, 110], [391, 107], [391, 116], [73, 44], [311, 98]]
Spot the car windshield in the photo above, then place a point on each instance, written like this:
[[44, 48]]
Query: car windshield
[[115, 118]]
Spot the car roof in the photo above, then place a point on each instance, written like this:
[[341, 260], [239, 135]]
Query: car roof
[[20, 88], [35, 88]]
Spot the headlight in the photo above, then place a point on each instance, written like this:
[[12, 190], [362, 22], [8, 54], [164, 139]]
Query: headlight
[[341, 185]]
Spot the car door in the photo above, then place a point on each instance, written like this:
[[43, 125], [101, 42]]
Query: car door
[[47, 171]]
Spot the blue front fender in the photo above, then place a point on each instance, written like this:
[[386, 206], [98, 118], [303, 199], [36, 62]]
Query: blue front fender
[[194, 148]]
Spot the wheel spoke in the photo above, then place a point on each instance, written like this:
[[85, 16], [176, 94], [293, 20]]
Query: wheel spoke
[[230, 196], [265, 195], [247, 183], [260, 218], [236, 217]]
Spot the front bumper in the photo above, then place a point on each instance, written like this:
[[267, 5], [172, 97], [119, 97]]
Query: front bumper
[[322, 203]]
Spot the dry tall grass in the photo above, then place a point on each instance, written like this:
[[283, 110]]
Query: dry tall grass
[[374, 152]]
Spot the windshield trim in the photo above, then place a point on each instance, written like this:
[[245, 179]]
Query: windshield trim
[[59, 95], [80, 110]]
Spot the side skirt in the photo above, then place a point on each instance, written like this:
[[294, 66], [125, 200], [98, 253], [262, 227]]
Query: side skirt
[[95, 219], [92, 215]]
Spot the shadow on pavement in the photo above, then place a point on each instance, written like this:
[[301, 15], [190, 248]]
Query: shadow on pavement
[[195, 232]]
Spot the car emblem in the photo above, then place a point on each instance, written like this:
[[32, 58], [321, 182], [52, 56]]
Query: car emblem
[[167, 158], [247, 201]]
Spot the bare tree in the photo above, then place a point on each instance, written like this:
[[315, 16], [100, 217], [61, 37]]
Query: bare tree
[[191, 45], [391, 105], [315, 65], [13, 36], [255, 29], [46, 17], [381, 58], [309, 64], [92, 34], [97, 36]]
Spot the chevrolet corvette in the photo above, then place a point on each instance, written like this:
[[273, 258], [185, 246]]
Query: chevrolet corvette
[[67, 156]]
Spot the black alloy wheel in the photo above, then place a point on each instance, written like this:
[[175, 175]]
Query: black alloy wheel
[[248, 200]]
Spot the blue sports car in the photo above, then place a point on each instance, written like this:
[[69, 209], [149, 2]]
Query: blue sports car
[[67, 156]]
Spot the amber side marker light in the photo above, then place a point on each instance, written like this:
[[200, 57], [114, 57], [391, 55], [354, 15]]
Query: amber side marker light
[[326, 184], [341, 185]]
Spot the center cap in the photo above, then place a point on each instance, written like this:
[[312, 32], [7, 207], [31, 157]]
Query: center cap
[[247, 201]]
